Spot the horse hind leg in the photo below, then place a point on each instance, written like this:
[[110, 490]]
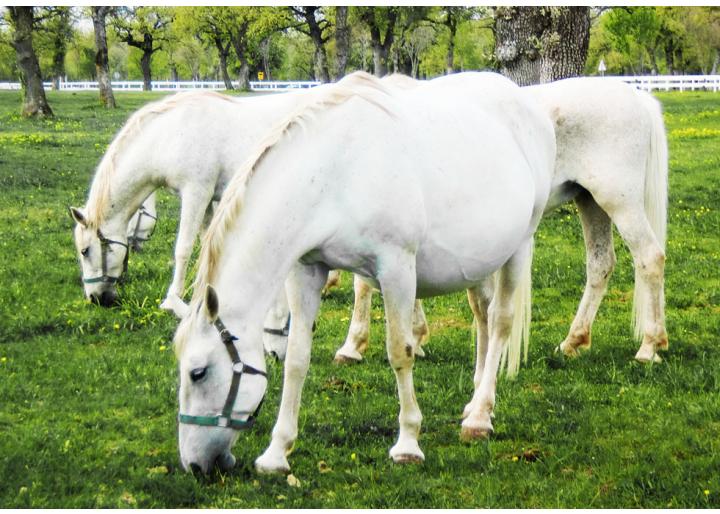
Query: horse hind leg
[[600, 262], [649, 261], [421, 331], [510, 281], [479, 299], [358, 336]]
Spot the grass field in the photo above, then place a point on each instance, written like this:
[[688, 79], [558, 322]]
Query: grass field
[[88, 395]]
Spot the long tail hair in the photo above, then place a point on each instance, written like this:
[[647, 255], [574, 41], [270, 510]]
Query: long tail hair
[[519, 340], [656, 193]]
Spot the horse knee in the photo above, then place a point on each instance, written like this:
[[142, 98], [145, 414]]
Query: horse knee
[[652, 265]]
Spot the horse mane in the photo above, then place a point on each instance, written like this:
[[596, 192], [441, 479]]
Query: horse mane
[[401, 81], [358, 84], [99, 195]]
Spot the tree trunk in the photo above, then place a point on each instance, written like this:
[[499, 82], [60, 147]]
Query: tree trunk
[[380, 47], [342, 41], [146, 70], [35, 103], [223, 52], [450, 62], [102, 69], [240, 46], [320, 58], [244, 75], [62, 33], [541, 44]]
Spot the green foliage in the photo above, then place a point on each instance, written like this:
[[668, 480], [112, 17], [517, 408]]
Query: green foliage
[[88, 395]]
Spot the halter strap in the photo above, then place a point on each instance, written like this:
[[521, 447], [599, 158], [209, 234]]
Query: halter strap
[[282, 332], [135, 238], [225, 418], [104, 245]]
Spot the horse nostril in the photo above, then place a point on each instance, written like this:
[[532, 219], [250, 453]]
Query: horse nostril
[[108, 298], [195, 469]]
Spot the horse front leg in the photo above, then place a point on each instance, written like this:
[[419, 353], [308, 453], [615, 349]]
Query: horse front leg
[[192, 210], [600, 262], [303, 288], [398, 282]]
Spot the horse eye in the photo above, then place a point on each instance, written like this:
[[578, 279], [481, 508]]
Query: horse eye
[[85, 251], [198, 374]]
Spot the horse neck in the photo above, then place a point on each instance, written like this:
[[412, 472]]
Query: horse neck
[[130, 185], [270, 235]]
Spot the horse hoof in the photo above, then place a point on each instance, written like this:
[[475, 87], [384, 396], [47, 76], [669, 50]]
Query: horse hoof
[[567, 350], [342, 360], [468, 434], [408, 458], [646, 354], [269, 466]]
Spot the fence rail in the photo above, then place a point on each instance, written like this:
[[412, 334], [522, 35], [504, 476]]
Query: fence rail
[[168, 85], [646, 82]]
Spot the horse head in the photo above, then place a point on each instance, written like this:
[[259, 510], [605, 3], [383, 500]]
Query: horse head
[[102, 257], [220, 392]]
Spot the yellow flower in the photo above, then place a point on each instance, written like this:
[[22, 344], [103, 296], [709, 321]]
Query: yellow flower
[[116, 326], [515, 458], [163, 348], [353, 456], [706, 492], [3, 359]]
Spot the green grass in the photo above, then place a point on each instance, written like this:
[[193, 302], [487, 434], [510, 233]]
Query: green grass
[[88, 395]]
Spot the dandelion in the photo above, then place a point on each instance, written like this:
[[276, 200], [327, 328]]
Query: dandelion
[[706, 492], [163, 348], [116, 326], [353, 456], [515, 458], [3, 359]]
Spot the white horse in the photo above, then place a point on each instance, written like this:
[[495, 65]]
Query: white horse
[[612, 161], [190, 142], [142, 224], [424, 193]]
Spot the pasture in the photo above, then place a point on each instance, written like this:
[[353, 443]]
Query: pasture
[[88, 395]]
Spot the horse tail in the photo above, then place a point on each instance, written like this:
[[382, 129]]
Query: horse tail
[[520, 330], [656, 198]]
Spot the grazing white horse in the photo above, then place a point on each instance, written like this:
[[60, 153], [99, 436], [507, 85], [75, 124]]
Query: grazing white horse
[[423, 193], [190, 142], [142, 224], [612, 161]]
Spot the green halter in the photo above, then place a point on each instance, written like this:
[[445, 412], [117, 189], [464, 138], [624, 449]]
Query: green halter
[[225, 418]]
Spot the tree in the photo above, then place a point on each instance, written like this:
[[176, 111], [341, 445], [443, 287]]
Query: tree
[[541, 44], [55, 23], [22, 20], [316, 26], [381, 23], [451, 18], [342, 41], [144, 28], [102, 70], [212, 25]]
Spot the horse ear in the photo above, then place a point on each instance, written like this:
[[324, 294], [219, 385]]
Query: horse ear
[[78, 216], [212, 304]]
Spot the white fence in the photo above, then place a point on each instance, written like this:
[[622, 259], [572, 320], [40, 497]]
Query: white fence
[[167, 85], [647, 83]]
